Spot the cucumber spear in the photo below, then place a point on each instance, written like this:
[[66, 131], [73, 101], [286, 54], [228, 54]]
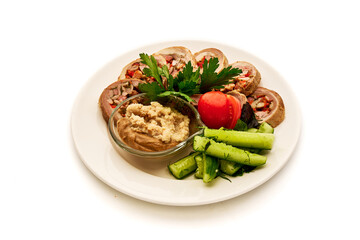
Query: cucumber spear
[[184, 166], [241, 138], [227, 152]]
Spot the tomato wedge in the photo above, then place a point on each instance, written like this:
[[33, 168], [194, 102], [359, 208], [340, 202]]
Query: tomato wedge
[[219, 110], [235, 111]]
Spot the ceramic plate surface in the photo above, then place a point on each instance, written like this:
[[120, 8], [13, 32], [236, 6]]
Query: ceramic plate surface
[[152, 182]]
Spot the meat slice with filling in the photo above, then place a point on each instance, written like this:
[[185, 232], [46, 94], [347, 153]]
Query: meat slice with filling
[[176, 58], [267, 105], [115, 93], [209, 53], [135, 69], [247, 81], [239, 96]]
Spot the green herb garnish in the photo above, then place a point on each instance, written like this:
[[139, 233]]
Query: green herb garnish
[[212, 80], [188, 82], [240, 126]]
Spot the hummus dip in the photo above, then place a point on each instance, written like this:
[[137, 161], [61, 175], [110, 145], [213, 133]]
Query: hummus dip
[[153, 127]]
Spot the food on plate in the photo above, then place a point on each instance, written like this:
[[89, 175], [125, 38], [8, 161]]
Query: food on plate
[[199, 173], [211, 53], [184, 166], [188, 81], [229, 167], [213, 108], [234, 110], [247, 81], [176, 58], [268, 106], [219, 110], [240, 116], [242, 138], [115, 93], [206, 167], [153, 127], [248, 116], [265, 128], [233, 168], [239, 96], [228, 152], [135, 69], [210, 168]]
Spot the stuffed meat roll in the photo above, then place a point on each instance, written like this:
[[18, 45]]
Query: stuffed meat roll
[[211, 53], [176, 58], [116, 93], [247, 81], [135, 69], [267, 105]]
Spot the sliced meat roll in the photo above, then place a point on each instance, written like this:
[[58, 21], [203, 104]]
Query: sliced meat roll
[[267, 105], [135, 69], [116, 93], [211, 53], [176, 58], [247, 81], [241, 97]]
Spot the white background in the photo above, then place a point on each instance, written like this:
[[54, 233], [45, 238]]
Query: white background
[[48, 51]]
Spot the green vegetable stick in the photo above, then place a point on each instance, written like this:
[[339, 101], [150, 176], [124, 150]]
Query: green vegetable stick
[[241, 138], [184, 166], [200, 166], [227, 152], [211, 166], [229, 167], [265, 128]]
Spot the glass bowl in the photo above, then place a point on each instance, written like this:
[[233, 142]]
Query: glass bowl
[[184, 107]]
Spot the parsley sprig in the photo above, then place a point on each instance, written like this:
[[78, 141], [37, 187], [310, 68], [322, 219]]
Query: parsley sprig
[[210, 79], [188, 82]]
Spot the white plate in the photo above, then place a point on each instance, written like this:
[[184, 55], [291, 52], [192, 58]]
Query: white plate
[[153, 183]]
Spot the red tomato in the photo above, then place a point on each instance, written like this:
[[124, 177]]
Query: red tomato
[[213, 108], [219, 110], [235, 111]]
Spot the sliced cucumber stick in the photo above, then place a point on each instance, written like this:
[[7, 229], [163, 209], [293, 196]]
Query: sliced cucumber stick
[[200, 166], [227, 152], [228, 167], [211, 168], [265, 128], [184, 166], [241, 138]]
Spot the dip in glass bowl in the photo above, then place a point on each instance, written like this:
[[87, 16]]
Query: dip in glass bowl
[[130, 134]]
